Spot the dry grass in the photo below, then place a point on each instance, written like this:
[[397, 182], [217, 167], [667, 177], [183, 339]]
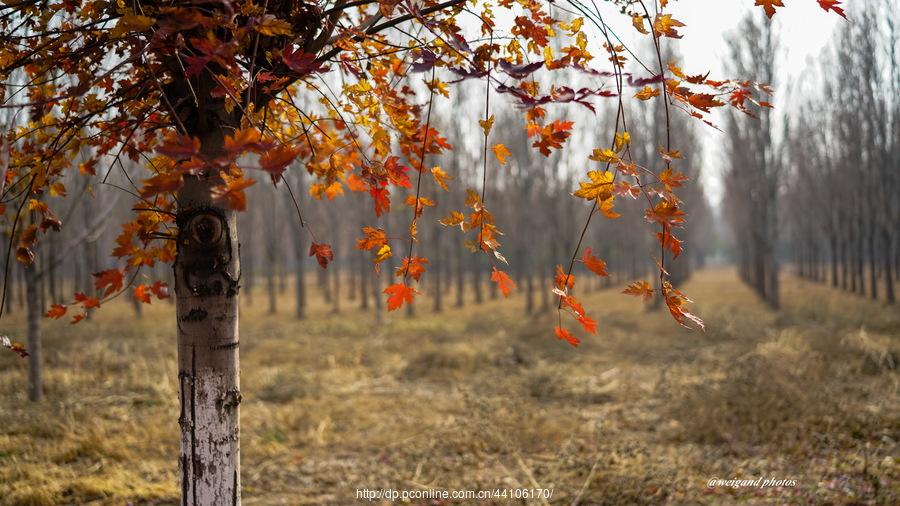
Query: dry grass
[[482, 398]]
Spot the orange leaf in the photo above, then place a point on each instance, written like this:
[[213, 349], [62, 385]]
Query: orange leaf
[[142, 293], [397, 295], [639, 288], [562, 333], [275, 160], [505, 283], [593, 263], [77, 318], [646, 93], [412, 267], [564, 280], [375, 238], [502, 153]]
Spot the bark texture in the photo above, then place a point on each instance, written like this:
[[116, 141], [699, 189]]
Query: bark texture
[[207, 272]]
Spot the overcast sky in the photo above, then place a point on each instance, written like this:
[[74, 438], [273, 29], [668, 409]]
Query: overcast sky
[[804, 31]]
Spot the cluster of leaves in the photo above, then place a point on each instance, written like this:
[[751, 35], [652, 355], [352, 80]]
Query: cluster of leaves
[[193, 90]]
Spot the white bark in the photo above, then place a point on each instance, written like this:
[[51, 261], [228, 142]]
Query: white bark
[[206, 284]]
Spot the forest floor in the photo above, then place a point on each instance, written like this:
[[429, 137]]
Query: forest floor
[[482, 398]]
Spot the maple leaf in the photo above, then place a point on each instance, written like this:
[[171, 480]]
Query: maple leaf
[[77, 318], [86, 301], [398, 294], [131, 23], [604, 156], [56, 311], [322, 252], [553, 136], [13, 346], [665, 25], [647, 92], [564, 334], [412, 267], [563, 279], [178, 147], [375, 238], [142, 293], [639, 288], [160, 289], [453, 219], [109, 281], [638, 22], [704, 101], [245, 138], [832, 5], [161, 183], [600, 186], [383, 254], [501, 152], [441, 177], [769, 6], [232, 191], [270, 25], [503, 281], [487, 125], [589, 324], [593, 263], [672, 179], [275, 160]]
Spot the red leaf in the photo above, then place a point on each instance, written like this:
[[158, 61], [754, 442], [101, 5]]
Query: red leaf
[[160, 289], [87, 302], [397, 295], [56, 311], [832, 5], [110, 281], [322, 252], [77, 318]]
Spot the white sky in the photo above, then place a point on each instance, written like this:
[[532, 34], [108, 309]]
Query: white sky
[[804, 31]]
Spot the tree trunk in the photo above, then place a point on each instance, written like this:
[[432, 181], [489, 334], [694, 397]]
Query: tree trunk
[[207, 272], [33, 302]]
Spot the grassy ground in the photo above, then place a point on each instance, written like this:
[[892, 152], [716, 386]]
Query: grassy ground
[[482, 398]]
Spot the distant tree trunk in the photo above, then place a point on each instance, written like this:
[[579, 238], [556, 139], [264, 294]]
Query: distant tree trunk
[[460, 277], [873, 267], [476, 280], [888, 274], [33, 303], [363, 283]]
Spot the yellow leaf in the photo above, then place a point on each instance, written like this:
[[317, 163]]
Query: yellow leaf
[[501, 153], [383, 254], [665, 25], [647, 92], [487, 124], [604, 156], [131, 23], [622, 139], [638, 22], [270, 25], [600, 186], [441, 177]]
